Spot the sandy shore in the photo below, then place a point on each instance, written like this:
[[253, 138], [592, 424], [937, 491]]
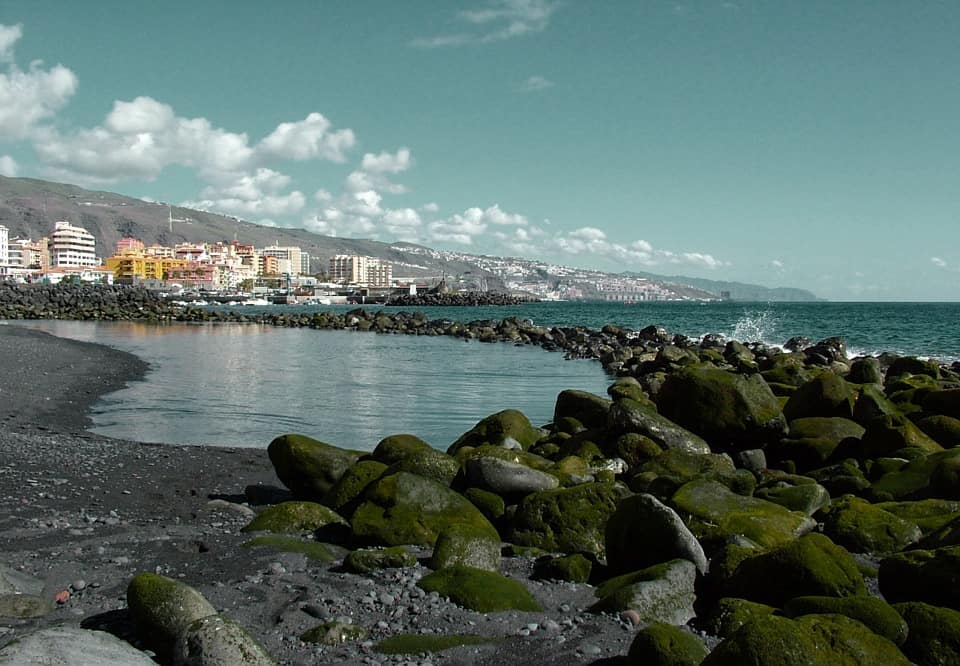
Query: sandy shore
[[84, 514]]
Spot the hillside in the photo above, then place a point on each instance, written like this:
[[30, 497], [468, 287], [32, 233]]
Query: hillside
[[29, 207]]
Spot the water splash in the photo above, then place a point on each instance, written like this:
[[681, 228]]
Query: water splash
[[757, 326]]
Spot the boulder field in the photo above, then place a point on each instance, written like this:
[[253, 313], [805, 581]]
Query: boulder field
[[726, 531]]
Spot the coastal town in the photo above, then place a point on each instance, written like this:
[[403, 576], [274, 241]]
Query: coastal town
[[290, 274]]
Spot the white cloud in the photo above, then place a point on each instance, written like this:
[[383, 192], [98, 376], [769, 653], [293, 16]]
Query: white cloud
[[776, 263], [307, 139], [8, 166], [464, 227], [937, 261], [536, 84], [430, 207], [143, 114], [590, 241], [387, 162], [496, 21], [371, 176], [588, 234], [28, 97], [9, 35], [256, 195]]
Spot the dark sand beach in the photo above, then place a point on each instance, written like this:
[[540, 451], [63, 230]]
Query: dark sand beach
[[84, 514]]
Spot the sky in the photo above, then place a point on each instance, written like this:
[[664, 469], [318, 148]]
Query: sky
[[811, 144]]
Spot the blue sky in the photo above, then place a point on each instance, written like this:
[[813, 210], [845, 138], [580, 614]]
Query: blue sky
[[787, 143]]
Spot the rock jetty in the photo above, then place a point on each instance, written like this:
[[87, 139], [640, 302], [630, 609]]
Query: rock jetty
[[725, 504]]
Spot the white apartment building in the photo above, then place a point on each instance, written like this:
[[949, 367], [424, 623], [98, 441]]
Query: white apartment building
[[72, 246], [359, 270]]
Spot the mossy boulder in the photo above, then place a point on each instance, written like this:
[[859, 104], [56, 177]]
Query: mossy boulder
[[334, 633], [367, 560], [879, 616], [395, 448], [809, 566], [934, 636], [309, 467], [630, 416], [163, 608], [347, 491], [466, 545], [589, 409], [479, 590], [786, 370], [865, 370], [573, 568], [813, 439], [842, 478], [660, 644], [944, 430], [812, 640], [294, 518], [430, 463], [501, 429], [627, 387], [929, 514], [806, 498], [911, 365], [861, 527], [490, 504], [824, 395], [634, 449], [947, 535], [931, 476], [569, 520], [643, 531], [714, 513], [731, 613], [888, 434], [675, 467], [219, 640], [729, 410], [931, 576], [406, 508], [661, 593], [872, 403]]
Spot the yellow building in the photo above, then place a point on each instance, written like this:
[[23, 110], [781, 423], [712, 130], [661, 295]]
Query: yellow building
[[130, 268]]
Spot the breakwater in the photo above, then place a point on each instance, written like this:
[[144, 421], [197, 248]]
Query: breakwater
[[469, 299]]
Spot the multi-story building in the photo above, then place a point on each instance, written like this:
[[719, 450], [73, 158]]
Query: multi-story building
[[304, 263], [360, 270], [71, 246], [23, 253], [129, 246], [290, 258], [132, 269]]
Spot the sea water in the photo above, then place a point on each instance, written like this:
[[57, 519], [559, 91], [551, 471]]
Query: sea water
[[242, 385]]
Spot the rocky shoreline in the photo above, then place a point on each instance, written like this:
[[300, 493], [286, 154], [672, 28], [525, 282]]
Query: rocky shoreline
[[723, 504]]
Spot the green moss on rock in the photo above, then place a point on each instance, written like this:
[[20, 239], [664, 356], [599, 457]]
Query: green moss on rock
[[334, 633], [714, 513], [313, 550], [162, 608], [861, 527], [309, 467], [731, 613], [724, 408], [569, 520], [395, 448], [809, 566], [367, 560], [429, 463], [934, 636], [479, 590], [879, 616], [660, 644], [294, 518], [931, 576], [589, 409], [490, 504], [468, 546], [497, 429], [929, 514], [345, 493], [405, 508], [825, 395], [573, 568]]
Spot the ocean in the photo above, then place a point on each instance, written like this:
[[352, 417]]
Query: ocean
[[243, 385]]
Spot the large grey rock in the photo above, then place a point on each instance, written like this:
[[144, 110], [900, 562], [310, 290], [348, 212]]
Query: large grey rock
[[72, 646], [17, 582], [24, 605], [219, 641], [661, 593], [631, 416], [506, 477], [644, 531], [589, 409], [466, 546], [309, 467]]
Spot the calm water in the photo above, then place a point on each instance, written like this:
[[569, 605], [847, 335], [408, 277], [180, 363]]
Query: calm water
[[245, 384]]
